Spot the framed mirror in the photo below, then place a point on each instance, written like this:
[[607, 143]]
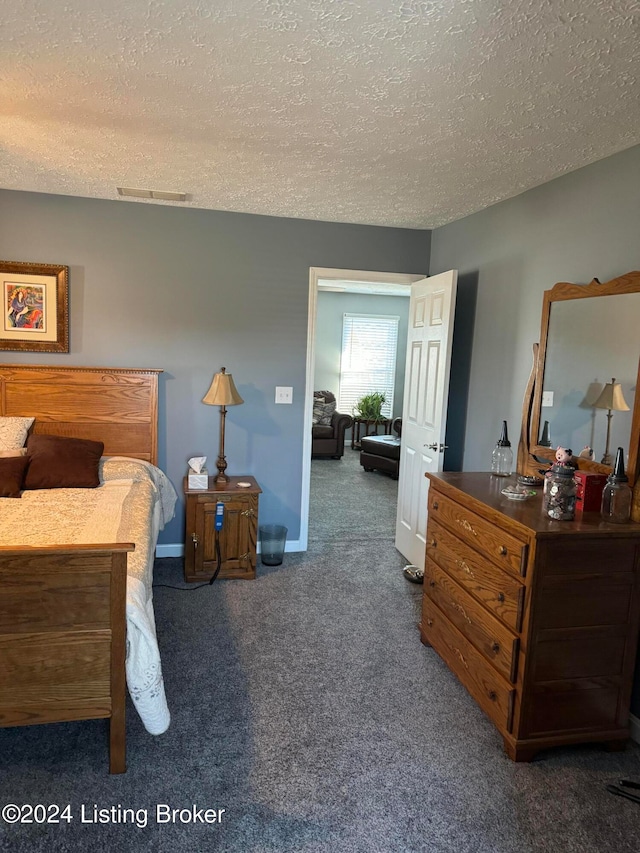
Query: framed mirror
[[585, 386]]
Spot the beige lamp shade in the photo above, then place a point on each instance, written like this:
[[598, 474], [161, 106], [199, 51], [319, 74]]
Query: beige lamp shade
[[611, 398], [222, 391]]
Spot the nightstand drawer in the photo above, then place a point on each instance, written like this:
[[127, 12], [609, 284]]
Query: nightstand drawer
[[500, 547], [494, 695], [489, 636], [495, 589]]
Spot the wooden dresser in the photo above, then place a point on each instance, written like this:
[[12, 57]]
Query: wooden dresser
[[537, 618]]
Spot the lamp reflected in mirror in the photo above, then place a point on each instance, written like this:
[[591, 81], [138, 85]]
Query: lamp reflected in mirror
[[611, 399]]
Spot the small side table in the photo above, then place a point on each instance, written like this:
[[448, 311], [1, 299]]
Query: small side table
[[237, 538], [370, 428]]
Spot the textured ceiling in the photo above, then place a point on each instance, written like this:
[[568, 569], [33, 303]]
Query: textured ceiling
[[390, 112]]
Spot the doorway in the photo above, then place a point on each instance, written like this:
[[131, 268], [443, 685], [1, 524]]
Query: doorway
[[334, 279]]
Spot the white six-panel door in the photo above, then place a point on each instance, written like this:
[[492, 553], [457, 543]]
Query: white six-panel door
[[424, 411]]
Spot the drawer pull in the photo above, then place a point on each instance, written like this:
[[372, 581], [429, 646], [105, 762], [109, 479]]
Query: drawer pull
[[432, 543], [464, 567], [501, 596], [194, 539], [493, 695], [502, 551], [465, 524], [435, 504], [248, 512], [462, 611], [432, 583], [461, 656], [430, 622], [495, 647]]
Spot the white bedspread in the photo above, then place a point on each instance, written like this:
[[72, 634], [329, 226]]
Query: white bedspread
[[133, 503]]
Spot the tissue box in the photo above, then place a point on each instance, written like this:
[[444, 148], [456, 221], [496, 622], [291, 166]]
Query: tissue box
[[199, 481], [589, 486]]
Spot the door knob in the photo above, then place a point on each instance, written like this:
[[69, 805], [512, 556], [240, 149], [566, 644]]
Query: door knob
[[436, 446]]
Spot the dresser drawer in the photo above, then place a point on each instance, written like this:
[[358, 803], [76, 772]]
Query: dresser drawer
[[489, 636], [494, 695], [497, 590], [589, 556], [500, 547]]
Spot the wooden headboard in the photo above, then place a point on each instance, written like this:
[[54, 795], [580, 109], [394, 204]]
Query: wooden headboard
[[118, 406]]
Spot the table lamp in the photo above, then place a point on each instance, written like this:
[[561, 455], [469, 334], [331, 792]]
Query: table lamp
[[611, 399], [223, 393]]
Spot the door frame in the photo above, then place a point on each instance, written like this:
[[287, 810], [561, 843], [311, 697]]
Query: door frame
[[317, 274]]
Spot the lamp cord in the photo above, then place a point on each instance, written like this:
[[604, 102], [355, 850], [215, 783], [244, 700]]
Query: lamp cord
[[219, 556], [208, 583]]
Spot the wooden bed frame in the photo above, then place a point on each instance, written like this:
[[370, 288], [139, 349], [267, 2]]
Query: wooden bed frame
[[62, 608]]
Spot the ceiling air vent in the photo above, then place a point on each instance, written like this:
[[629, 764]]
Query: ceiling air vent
[[159, 194]]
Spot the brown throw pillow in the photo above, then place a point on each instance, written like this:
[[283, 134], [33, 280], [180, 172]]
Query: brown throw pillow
[[57, 462], [12, 470]]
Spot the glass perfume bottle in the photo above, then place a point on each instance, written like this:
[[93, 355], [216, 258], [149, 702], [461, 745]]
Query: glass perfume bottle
[[617, 494], [502, 456]]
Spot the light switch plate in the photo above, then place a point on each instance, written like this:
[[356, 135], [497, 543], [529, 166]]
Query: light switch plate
[[284, 394], [547, 398]]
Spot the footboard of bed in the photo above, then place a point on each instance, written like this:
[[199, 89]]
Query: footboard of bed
[[63, 637]]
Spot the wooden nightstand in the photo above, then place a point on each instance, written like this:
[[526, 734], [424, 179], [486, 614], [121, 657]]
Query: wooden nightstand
[[239, 532]]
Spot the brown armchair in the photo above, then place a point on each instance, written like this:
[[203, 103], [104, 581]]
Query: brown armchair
[[327, 439]]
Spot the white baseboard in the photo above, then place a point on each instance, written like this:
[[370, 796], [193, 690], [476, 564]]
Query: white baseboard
[[177, 549], [634, 726]]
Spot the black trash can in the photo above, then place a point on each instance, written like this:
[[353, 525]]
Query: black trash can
[[273, 538]]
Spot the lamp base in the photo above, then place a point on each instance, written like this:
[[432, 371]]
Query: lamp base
[[221, 478]]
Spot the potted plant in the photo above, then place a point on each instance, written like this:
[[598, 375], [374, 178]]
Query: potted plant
[[369, 407]]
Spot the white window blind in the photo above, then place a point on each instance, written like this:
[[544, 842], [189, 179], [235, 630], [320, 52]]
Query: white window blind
[[368, 363]]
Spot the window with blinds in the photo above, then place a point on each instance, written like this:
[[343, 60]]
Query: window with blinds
[[368, 362]]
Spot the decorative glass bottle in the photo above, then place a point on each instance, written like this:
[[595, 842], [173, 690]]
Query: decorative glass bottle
[[617, 494], [502, 456], [559, 500], [545, 440]]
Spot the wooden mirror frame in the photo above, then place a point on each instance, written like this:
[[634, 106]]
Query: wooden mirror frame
[[532, 408]]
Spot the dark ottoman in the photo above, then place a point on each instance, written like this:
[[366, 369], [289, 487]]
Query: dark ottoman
[[381, 452]]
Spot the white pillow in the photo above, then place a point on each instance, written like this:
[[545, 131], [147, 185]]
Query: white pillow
[[13, 432], [6, 454]]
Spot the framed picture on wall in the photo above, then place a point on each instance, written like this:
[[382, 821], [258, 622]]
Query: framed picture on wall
[[35, 307]]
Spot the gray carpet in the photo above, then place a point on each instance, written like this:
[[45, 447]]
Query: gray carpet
[[305, 705]]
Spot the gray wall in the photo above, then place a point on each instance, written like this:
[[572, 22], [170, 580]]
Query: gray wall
[[580, 226], [190, 291], [329, 316]]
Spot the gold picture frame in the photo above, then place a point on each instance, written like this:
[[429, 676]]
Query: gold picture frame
[[35, 307]]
